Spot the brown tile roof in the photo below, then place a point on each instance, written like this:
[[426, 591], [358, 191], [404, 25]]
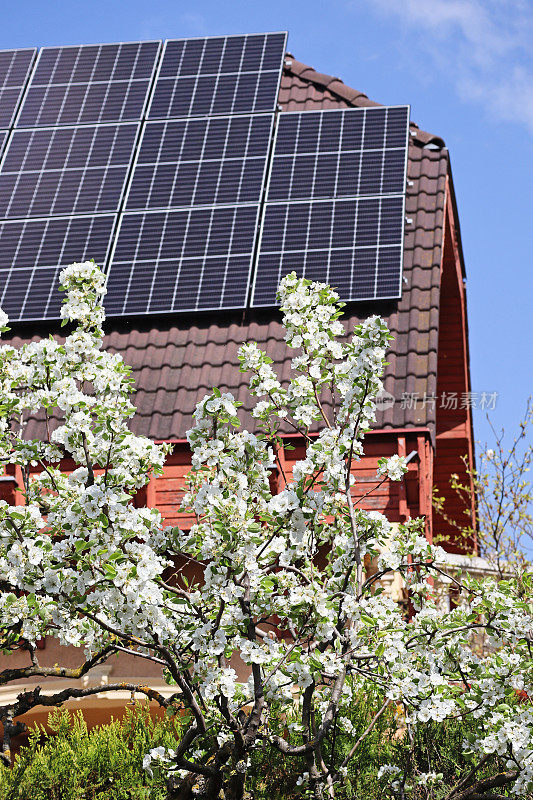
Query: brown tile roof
[[176, 362]]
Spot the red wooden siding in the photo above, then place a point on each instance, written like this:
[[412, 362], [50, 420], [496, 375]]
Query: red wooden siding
[[454, 425], [168, 489]]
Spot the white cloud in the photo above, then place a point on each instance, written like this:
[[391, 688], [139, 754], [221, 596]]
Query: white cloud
[[483, 47]]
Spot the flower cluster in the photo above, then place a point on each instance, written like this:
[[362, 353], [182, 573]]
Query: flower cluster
[[394, 467]]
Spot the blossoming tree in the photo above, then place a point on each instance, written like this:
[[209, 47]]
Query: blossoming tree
[[289, 581]]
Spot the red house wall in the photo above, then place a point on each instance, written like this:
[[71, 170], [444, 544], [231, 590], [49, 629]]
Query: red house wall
[[454, 439], [396, 501]]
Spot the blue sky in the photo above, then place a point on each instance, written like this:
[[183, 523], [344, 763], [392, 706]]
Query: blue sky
[[466, 69]]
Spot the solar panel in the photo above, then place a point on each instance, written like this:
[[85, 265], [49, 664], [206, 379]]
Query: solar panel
[[191, 162], [65, 170], [341, 153], [189, 260], [335, 209], [33, 252], [89, 83], [3, 137], [219, 75], [14, 70], [355, 245]]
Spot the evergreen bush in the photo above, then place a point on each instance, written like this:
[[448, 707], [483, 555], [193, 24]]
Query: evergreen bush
[[71, 762]]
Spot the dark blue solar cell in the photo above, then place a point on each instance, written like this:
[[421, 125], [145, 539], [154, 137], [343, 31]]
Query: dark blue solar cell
[[195, 162], [363, 281], [218, 75], [330, 132], [65, 170], [301, 178], [352, 131], [308, 132], [348, 175], [182, 260], [375, 122], [203, 93], [355, 245], [371, 172], [325, 177], [368, 222]]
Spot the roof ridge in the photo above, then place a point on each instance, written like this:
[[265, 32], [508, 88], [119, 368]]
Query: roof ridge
[[324, 81], [357, 98]]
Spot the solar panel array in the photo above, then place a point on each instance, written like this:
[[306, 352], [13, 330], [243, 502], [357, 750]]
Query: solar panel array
[[170, 166], [209, 173], [64, 168]]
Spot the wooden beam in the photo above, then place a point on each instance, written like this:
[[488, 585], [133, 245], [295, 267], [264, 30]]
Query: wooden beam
[[403, 507]]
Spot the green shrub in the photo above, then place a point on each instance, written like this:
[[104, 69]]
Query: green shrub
[[433, 748], [72, 763]]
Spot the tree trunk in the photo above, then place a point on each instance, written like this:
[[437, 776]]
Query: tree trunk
[[234, 785], [195, 787], [198, 787]]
